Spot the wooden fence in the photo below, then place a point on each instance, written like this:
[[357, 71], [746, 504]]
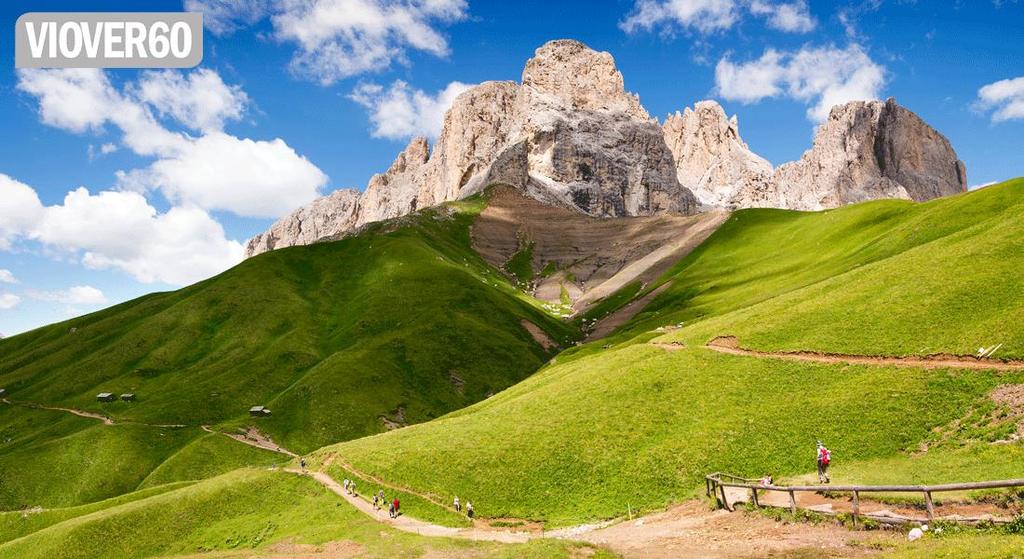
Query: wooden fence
[[716, 484]]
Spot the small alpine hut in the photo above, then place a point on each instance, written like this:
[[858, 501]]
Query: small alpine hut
[[105, 397], [128, 397], [259, 411]]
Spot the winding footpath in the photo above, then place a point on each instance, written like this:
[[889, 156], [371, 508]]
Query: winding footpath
[[80, 413], [411, 525], [730, 345]]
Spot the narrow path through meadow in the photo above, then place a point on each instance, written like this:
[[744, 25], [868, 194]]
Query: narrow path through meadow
[[730, 345], [685, 530], [407, 524], [81, 413]]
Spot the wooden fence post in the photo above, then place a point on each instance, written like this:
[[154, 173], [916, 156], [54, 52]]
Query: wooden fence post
[[753, 497], [856, 506], [931, 507], [792, 501]]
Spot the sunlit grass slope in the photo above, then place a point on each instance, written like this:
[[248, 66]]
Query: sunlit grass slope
[[638, 428], [887, 277], [54, 459], [244, 510], [606, 430], [402, 321]]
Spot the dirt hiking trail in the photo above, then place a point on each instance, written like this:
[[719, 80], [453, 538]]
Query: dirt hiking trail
[[407, 524], [91, 415], [80, 413], [731, 346], [691, 530], [686, 530]]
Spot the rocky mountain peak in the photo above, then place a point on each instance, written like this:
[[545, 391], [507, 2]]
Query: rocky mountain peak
[[571, 135], [580, 78], [711, 158], [868, 150]]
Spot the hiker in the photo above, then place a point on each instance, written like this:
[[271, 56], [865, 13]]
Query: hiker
[[391, 509], [376, 502], [458, 505], [469, 509], [344, 484], [352, 489], [397, 506], [381, 495], [767, 480], [824, 458], [302, 463]]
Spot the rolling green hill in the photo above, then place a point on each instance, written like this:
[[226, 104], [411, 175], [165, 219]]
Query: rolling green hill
[[245, 511], [401, 323], [882, 278], [605, 429]]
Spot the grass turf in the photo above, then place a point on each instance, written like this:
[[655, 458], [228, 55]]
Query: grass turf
[[638, 427], [603, 430], [243, 510], [401, 323], [888, 277], [54, 459]]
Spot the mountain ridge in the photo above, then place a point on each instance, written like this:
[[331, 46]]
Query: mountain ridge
[[570, 134]]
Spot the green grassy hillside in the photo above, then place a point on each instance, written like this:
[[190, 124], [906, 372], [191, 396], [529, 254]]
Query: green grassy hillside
[[401, 323], [246, 511], [604, 430], [55, 459], [880, 278]]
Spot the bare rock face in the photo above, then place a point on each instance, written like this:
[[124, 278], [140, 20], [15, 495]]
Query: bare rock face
[[477, 129], [590, 143], [395, 192], [868, 150], [712, 160], [573, 77], [324, 217]]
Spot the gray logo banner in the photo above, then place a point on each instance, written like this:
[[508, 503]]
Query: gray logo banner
[[108, 40]]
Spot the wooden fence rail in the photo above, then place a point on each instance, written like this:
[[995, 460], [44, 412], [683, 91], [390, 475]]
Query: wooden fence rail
[[716, 483]]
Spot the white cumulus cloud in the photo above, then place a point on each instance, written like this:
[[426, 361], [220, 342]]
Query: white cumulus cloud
[[709, 16], [1005, 98], [200, 99], [8, 301], [20, 209], [77, 295], [704, 16], [7, 277], [214, 171], [221, 172], [401, 111], [224, 17], [792, 17], [121, 230], [819, 76], [337, 39]]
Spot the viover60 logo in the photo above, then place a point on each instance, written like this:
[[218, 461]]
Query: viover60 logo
[[109, 40]]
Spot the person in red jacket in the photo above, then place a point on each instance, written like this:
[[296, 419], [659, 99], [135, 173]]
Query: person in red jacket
[[394, 507], [824, 458]]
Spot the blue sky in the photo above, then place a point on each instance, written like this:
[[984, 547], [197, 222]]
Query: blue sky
[[118, 183]]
